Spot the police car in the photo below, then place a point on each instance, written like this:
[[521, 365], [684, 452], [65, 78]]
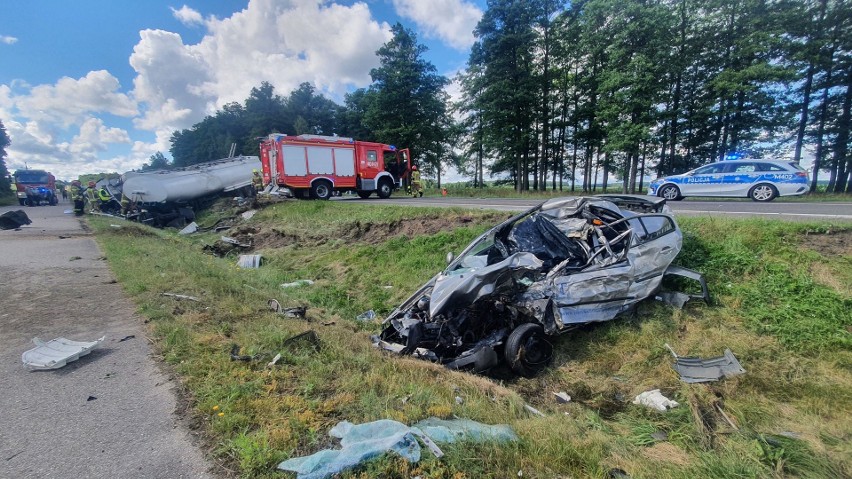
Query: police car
[[760, 180]]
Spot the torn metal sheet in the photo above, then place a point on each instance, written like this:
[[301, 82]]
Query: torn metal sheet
[[698, 370], [249, 261], [567, 262], [235, 242], [57, 352], [189, 229]]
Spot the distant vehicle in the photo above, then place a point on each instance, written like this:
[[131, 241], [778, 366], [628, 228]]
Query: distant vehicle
[[760, 180], [35, 187], [319, 166]]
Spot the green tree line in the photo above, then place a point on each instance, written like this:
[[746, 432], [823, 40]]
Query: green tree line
[[561, 95]]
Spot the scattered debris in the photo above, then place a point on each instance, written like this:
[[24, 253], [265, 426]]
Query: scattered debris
[[247, 215], [251, 261], [655, 400], [118, 227], [616, 473], [361, 442], [562, 264], [75, 258], [274, 360], [697, 370], [294, 284], [295, 312], [229, 240], [329, 323], [131, 336], [236, 356], [459, 400], [57, 352], [660, 435], [562, 397], [90, 398], [189, 229], [534, 410], [182, 296], [366, 316], [727, 419], [673, 298], [11, 220]]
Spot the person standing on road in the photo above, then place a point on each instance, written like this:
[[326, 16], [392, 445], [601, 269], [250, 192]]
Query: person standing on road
[[416, 185], [64, 190], [76, 190]]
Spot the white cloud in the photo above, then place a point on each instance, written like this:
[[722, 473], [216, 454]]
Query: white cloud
[[8, 40], [70, 100], [95, 137], [187, 16], [451, 21]]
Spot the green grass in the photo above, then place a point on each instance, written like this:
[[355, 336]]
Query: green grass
[[788, 327]]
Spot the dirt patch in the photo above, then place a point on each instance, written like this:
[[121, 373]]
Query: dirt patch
[[833, 243]]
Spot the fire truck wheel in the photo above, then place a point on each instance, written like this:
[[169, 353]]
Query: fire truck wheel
[[321, 190], [364, 194], [385, 189]]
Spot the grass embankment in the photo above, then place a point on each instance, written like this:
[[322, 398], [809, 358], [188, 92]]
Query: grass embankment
[[782, 304]]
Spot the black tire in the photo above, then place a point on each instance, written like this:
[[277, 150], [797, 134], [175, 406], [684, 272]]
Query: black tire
[[364, 194], [321, 190], [527, 350], [762, 192], [670, 192], [385, 189], [53, 201]]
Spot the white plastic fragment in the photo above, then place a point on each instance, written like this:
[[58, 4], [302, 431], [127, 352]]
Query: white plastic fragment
[[188, 229], [248, 214], [366, 316], [274, 360], [68, 212], [562, 397], [57, 352], [534, 410], [655, 400], [249, 261], [301, 282]]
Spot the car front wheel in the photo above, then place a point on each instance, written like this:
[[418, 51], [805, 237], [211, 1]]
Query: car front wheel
[[763, 192], [527, 349], [670, 192]]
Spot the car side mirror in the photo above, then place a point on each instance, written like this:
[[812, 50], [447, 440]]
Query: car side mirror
[[450, 257]]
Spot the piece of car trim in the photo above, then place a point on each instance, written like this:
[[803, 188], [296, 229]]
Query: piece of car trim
[[57, 352]]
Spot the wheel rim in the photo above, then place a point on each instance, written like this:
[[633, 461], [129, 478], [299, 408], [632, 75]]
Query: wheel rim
[[669, 192], [322, 191], [762, 192], [385, 189]]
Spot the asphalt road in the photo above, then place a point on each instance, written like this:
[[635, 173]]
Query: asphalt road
[[109, 414], [791, 211]]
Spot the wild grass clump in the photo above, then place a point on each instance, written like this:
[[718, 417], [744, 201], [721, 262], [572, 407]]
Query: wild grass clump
[[787, 416]]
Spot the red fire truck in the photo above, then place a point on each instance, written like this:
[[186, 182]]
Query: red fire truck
[[318, 166], [35, 187]]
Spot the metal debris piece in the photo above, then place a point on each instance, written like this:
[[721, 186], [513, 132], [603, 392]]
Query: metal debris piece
[[57, 352], [655, 400], [236, 356], [249, 261], [310, 336], [274, 360], [248, 214], [366, 316], [562, 397], [459, 400], [235, 242], [534, 410], [673, 298], [295, 312], [189, 229], [182, 296], [294, 284], [126, 338], [697, 370]]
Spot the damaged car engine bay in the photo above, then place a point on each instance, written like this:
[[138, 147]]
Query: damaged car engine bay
[[566, 262]]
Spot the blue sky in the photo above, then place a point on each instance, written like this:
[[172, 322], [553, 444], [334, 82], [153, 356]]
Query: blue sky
[[99, 85]]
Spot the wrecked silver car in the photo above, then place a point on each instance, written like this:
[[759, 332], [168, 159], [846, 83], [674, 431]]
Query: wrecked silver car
[[567, 262]]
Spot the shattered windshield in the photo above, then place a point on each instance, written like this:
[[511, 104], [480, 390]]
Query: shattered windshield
[[475, 257]]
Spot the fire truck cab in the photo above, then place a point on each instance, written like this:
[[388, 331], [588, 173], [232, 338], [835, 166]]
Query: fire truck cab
[[319, 166], [35, 187]]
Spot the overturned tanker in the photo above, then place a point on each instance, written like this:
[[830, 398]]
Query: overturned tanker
[[166, 197], [567, 262]]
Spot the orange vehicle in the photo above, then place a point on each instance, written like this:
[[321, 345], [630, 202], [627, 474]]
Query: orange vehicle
[[321, 166]]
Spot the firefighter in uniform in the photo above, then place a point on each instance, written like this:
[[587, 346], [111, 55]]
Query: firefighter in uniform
[[125, 204], [416, 185], [256, 182], [76, 193], [92, 198]]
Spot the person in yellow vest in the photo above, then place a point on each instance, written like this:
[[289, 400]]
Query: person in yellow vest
[[125, 204], [92, 198], [256, 182], [416, 185], [76, 193]]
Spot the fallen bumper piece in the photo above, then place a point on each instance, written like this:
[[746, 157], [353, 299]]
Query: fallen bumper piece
[[361, 442], [697, 370], [57, 352]]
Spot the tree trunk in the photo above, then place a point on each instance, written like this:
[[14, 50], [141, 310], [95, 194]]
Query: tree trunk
[[823, 111], [841, 143]]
